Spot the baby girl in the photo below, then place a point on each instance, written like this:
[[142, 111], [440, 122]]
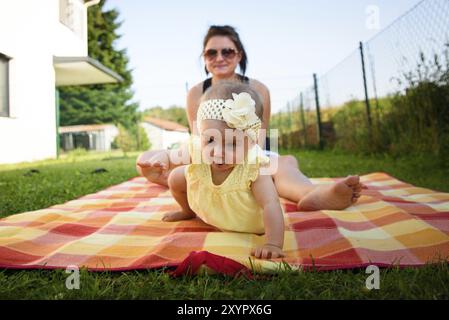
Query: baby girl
[[218, 177]]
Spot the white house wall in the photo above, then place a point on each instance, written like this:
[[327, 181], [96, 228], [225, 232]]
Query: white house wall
[[109, 135], [162, 139], [170, 137], [154, 135], [69, 43], [31, 34]]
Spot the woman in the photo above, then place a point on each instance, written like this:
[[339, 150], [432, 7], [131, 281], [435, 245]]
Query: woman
[[223, 51]]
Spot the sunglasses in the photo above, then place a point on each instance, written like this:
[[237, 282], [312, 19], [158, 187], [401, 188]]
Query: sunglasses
[[227, 53]]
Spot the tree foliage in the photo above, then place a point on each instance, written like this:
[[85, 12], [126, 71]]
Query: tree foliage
[[108, 103], [174, 113]]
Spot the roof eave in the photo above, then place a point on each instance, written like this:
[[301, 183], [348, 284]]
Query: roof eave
[[71, 71]]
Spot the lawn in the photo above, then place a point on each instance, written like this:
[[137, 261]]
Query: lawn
[[58, 181], [21, 190]]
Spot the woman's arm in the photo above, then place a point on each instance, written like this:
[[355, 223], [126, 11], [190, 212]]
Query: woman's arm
[[266, 100], [267, 197], [192, 103], [266, 108]]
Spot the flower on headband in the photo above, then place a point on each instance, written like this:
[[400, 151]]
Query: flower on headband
[[240, 112]]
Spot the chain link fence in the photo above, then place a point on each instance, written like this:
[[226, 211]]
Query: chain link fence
[[364, 102]]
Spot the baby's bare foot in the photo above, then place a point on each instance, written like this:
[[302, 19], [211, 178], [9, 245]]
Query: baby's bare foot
[[177, 216], [337, 196]]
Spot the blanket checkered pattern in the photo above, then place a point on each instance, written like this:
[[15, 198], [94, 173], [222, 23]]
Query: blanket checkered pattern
[[120, 228]]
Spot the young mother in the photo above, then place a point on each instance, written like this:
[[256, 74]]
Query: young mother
[[223, 52]]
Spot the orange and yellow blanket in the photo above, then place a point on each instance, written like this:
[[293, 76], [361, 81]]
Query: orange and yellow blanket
[[120, 228]]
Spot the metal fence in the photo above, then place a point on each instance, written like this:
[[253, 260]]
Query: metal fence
[[381, 67]]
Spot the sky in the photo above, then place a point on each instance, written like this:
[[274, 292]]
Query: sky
[[286, 40]]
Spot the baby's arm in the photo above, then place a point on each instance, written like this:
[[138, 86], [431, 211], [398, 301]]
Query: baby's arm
[[267, 197]]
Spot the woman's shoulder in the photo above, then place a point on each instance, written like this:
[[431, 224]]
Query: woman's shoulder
[[261, 88], [258, 85], [194, 95], [196, 90]]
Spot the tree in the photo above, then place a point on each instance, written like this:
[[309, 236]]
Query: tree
[[143, 143], [174, 113], [108, 103], [124, 140], [135, 139]]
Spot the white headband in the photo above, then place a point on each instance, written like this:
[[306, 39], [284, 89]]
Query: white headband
[[238, 113]]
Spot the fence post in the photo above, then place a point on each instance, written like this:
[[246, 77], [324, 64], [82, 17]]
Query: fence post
[[290, 126], [57, 107], [303, 118], [138, 136], [289, 117], [318, 113], [368, 109], [376, 98]]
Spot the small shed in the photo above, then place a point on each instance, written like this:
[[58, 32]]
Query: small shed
[[98, 137]]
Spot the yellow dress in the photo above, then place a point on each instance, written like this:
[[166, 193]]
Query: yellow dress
[[230, 206]]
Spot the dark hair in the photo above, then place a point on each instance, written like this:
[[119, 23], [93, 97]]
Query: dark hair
[[229, 32], [225, 88]]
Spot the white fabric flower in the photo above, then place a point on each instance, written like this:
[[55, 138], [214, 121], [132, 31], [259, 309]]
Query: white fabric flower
[[240, 112], [257, 155]]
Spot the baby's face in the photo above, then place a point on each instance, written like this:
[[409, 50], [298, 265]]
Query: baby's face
[[221, 146]]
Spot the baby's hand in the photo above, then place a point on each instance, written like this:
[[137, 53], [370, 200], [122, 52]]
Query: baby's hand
[[153, 169], [177, 216], [268, 251]]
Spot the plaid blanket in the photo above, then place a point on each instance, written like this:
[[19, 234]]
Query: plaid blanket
[[120, 228]]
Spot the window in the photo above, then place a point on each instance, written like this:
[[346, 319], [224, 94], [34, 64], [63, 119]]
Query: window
[[71, 15], [4, 86], [65, 8]]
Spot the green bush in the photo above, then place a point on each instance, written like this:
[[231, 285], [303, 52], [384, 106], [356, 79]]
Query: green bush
[[415, 121], [419, 122], [143, 143], [134, 139], [350, 124], [124, 140]]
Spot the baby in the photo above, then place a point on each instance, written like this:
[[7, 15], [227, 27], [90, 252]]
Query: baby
[[218, 176]]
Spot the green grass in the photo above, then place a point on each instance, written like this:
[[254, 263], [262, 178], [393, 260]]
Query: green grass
[[430, 282], [423, 171], [59, 181]]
